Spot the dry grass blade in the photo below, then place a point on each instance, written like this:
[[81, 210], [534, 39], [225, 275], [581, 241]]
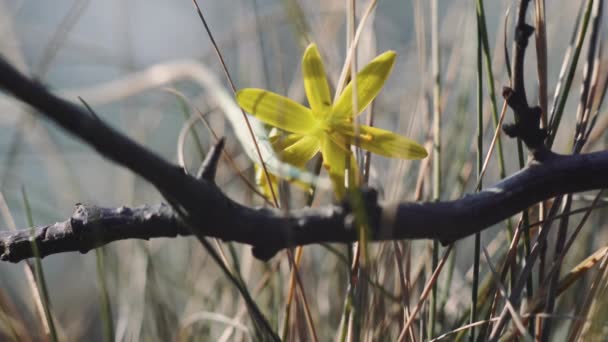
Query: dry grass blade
[[60, 36], [233, 86], [600, 204], [578, 228], [462, 328], [582, 268], [598, 86], [530, 261], [541, 57], [437, 150], [351, 51], [28, 269], [577, 43], [596, 130], [188, 126], [589, 78], [181, 141], [405, 285], [561, 248], [214, 317], [425, 293], [225, 336], [514, 315], [578, 327], [565, 62], [492, 145], [295, 284], [505, 39], [52, 333]]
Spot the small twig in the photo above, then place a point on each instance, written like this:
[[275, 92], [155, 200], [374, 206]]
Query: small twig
[[527, 119], [209, 165]]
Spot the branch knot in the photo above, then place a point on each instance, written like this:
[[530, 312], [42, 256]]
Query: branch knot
[[527, 120], [522, 34]]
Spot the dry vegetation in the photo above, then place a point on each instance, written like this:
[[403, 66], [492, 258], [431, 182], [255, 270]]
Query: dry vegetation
[[541, 274]]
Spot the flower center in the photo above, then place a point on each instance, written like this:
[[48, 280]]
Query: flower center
[[322, 127]]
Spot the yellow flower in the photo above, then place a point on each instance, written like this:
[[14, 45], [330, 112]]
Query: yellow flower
[[328, 127]]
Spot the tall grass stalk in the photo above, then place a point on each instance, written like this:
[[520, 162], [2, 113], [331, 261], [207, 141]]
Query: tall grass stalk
[[436, 62], [39, 272], [104, 296], [560, 100], [479, 153]]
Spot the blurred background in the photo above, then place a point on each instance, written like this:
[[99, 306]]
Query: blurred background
[[128, 58]]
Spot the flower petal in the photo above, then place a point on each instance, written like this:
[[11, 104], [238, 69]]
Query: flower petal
[[334, 160], [262, 182], [369, 82], [301, 151], [292, 148], [281, 141], [387, 143], [315, 82], [276, 110]]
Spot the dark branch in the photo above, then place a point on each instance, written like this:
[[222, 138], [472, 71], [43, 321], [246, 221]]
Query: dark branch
[[206, 211], [90, 227], [269, 230], [527, 119], [209, 166], [527, 128]]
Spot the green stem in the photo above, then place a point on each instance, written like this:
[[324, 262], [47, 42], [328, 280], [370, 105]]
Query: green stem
[[39, 272], [477, 254], [436, 150]]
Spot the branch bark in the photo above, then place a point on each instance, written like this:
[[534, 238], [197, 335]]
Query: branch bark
[[527, 119], [206, 212]]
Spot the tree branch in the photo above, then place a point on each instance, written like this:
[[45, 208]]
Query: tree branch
[[91, 227], [527, 119], [206, 211], [269, 230]]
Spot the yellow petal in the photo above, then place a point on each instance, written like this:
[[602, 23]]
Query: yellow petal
[[315, 82], [386, 143], [276, 110], [301, 151], [335, 159], [281, 141], [264, 186], [262, 182], [294, 148], [369, 82]]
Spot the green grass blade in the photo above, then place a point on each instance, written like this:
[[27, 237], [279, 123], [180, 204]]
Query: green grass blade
[[39, 272]]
